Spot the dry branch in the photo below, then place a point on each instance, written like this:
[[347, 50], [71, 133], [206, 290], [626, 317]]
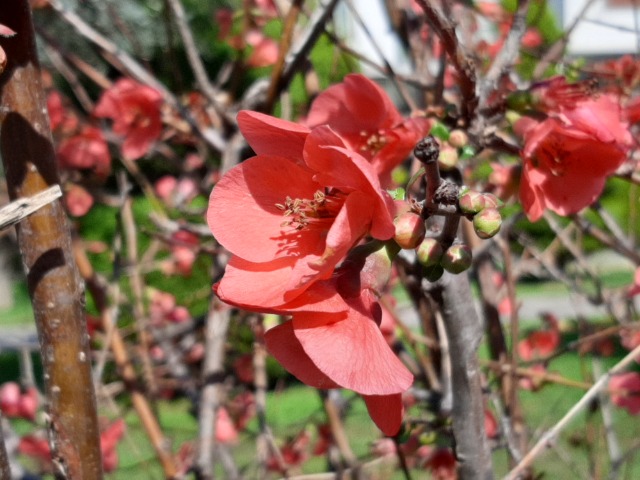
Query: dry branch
[[23, 207]]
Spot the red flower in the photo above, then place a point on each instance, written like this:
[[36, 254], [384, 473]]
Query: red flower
[[78, 200], [225, 429], [363, 114], [109, 438], [625, 391], [291, 213], [569, 155], [86, 150], [347, 349], [135, 111], [18, 403], [541, 343]]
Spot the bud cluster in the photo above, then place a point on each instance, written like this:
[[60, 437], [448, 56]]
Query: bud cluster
[[410, 234], [483, 208]]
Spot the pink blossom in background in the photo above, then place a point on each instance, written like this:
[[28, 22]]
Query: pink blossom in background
[[136, 113]]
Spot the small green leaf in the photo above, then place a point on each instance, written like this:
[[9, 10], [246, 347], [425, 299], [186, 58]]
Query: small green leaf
[[440, 131]]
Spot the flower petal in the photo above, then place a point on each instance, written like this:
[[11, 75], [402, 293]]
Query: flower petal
[[285, 347], [354, 105], [243, 215], [272, 136], [273, 279], [352, 352], [386, 411]]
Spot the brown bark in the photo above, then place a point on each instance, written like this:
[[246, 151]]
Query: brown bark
[[56, 291], [5, 467], [464, 332]]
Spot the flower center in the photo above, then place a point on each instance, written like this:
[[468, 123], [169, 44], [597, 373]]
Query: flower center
[[372, 143], [301, 213]]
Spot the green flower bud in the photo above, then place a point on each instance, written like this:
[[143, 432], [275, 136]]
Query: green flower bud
[[457, 258], [471, 201], [429, 252], [487, 222], [410, 230], [433, 273]]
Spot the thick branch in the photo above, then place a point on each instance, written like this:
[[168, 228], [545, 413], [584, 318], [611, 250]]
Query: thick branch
[[464, 333], [57, 294]]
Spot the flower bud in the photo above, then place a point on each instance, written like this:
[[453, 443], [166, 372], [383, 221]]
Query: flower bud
[[429, 252], [491, 201], [433, 273], [448, 158], [458, 138], [487, 222], [410, 230], [457, 258], [471, 201]]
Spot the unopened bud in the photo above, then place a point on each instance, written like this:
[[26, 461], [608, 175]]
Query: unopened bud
[[457, 258], [433, 273], [487, 222], [448, 158], [458, 138], [491, 201], [429, 252], [410, 230], [471, 201]]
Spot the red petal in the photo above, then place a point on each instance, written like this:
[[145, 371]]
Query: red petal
[[285, 347], [269, 295], [352, 352], [272, 136], [352, 106], [138, 140], [386, 411], [243, 215]]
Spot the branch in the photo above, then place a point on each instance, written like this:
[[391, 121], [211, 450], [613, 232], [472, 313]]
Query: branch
[[23, 207], [445, 29], [5, 466], [55, 288], [464, 332], [507, 55], [547, 439], [212, 370]]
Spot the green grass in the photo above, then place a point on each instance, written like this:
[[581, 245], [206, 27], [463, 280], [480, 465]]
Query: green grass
[[20, 313]]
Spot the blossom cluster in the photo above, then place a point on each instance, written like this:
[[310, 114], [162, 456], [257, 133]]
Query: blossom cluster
[[297, 217]]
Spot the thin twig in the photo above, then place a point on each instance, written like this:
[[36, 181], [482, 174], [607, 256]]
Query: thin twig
[[23, 207], [547, 439], [212, 370]]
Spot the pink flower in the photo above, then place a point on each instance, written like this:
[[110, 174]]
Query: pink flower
[[225, 429], [59, 116], [109, 438], [541, 343], [78, 201], [365, 117], [183, 251], [291, 213], [265, 50], [18, 403], [625, 391], [347, 349], [568, 156], [135, 111], [86, 150]]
